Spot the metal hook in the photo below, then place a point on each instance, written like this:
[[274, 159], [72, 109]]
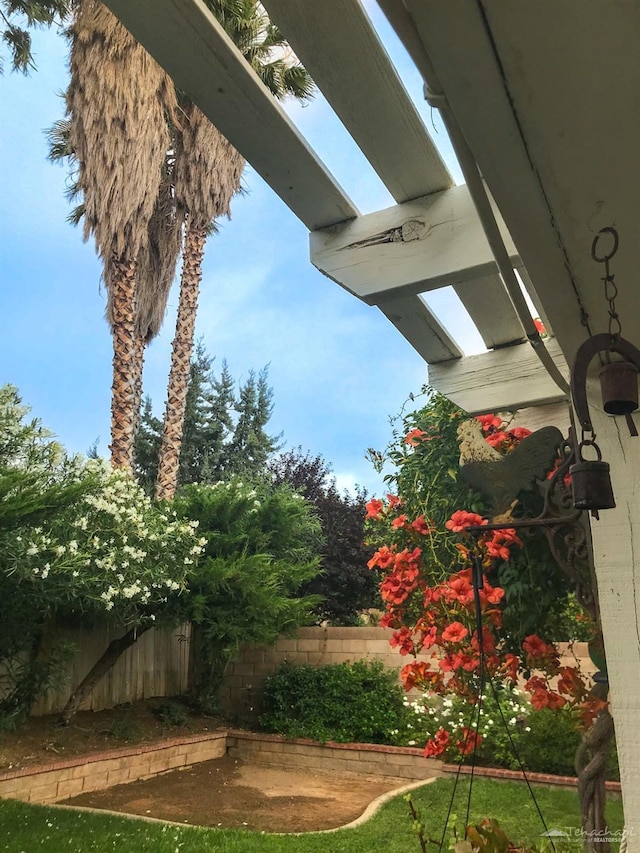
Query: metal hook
[[616, 239]]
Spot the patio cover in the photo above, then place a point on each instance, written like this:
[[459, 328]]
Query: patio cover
[[545, 97]]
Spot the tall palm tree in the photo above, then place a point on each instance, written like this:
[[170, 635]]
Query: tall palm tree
[[207, 174], [158, 255], [117, 102]]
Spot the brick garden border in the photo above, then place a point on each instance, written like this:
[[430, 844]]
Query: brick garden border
[[50, 783], [57, 781]]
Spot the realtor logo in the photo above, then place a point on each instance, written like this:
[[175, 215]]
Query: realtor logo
[[578, 836]]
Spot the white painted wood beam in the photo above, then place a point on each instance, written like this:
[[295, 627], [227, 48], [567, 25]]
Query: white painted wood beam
[[408, 249], [455, 38], [504, 379], [339, 47], [413, 319], [186, 39], [487, 303]]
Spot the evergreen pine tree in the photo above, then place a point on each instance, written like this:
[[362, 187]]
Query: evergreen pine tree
[[220, 399], [223, 434], [251, 446], [147, 447], [196, 419]]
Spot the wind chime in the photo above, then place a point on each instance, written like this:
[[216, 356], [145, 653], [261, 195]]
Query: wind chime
[[590, 479]]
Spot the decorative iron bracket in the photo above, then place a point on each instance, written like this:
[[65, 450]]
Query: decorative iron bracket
[[566, 528]]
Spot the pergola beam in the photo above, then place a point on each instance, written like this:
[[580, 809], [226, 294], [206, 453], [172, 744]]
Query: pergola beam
[[479, 98], [502, 380], [339, 47], [411, 248], [187, 40], [413, 319]]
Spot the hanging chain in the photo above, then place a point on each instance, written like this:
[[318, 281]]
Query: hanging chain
[[610, 287]]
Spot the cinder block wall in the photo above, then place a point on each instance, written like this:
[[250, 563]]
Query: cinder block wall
[[242, 689]]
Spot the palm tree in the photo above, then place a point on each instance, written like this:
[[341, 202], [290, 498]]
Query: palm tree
[[118, 101], [157, 258], [207, 174], [15, 16]]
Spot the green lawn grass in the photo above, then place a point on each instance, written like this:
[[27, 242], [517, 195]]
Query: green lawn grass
[[25, 829]]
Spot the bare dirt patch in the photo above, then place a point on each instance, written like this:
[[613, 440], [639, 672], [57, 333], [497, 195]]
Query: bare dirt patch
[[228, 793], [41, 740]]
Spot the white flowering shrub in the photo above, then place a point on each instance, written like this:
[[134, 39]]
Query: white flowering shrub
[[113, 553], [78, 541], [503, 723]]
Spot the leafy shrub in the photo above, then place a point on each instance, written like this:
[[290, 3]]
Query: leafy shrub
[[171, 714], [348, 702], [551, 744], [502, 722], [247, 586], [570, 622], [545, 741]]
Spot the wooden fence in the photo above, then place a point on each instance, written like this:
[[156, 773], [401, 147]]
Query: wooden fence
[[156, 665]]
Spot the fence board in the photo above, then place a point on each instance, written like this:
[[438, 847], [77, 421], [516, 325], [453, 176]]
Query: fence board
[[156, 665]]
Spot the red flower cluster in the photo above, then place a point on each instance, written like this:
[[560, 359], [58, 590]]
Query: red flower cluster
[[438, 744], [415, 436], [503, 440], [455, 633], [489, 422], [461, 519], [403, 641], [542, 696], [469, 741], [438, 622], [499, 543], [374, 509]]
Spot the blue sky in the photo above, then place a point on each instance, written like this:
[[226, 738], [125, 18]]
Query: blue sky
[[338, 367]]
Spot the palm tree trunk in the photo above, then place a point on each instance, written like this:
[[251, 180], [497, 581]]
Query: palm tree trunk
[[122, 285], [137, 370], [168, 465]]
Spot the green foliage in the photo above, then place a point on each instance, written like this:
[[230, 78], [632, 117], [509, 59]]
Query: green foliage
[[18, 17], [250, 446], [261, 550], [551, 743], [426, 478], [263, 46], [112, 553], [345, 583], [514, 735], [171, 714], [358, 702], [37, 479], [78, 542], [571, 623], [224, 432], [147, 448]]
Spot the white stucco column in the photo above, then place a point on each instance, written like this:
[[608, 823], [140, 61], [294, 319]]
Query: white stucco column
[[616, 545]]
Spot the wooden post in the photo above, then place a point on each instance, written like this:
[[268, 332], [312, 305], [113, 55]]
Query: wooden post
[[616, 545]]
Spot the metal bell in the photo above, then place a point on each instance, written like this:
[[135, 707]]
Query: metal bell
[[619, 386], [591, 482]]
